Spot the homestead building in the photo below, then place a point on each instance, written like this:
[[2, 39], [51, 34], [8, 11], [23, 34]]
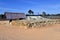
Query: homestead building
[[34, 17], [20, 16], [14, 16]]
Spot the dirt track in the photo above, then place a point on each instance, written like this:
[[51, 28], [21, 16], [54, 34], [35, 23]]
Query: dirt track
[[44, 33]]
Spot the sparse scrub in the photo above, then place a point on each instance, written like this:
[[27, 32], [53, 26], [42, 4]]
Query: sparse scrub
[[34, 24]]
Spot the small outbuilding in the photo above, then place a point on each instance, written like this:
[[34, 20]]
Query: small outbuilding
[[14, 16]]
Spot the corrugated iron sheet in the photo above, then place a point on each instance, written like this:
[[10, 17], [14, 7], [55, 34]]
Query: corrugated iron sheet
[[10, 15]]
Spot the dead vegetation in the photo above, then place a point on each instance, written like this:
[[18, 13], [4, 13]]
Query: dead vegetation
[[31, 23], [34, 24]]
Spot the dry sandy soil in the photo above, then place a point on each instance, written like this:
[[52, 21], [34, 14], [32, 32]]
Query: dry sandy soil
[[8, 32]]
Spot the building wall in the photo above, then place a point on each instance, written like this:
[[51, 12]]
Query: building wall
[[14, 15], [35, 18]]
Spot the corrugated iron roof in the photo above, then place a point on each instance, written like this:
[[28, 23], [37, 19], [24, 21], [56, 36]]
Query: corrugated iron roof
[[12, 15]]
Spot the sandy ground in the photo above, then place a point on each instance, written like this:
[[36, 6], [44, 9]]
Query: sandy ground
[[8, 32]]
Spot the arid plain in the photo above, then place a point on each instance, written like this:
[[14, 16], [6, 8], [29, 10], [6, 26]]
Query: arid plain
[[9, 32]]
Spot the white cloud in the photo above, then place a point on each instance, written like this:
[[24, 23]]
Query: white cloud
[[5, 9]]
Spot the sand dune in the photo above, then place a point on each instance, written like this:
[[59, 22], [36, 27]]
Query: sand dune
[[8, 32]]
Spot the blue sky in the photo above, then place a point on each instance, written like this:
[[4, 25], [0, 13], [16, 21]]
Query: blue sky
[[49, 6]]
